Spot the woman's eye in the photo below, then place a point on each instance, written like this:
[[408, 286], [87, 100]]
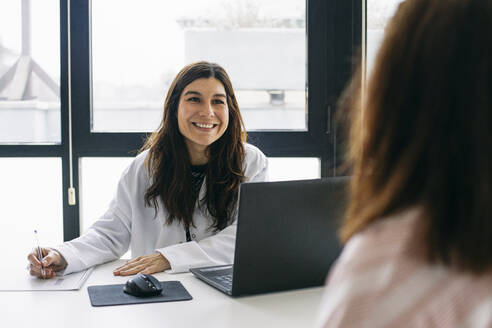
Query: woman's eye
[[194, 99], [218, 101]]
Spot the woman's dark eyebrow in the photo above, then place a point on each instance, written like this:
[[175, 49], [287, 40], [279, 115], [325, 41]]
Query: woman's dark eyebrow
[[199, 94], [192, 93]]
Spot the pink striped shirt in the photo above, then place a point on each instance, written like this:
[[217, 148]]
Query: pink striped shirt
[[379, 281]]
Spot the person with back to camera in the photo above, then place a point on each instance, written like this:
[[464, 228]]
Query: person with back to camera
[[418, 230], [175, 204]]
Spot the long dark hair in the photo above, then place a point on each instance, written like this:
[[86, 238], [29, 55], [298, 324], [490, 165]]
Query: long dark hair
[[423, 134], [168, 161]]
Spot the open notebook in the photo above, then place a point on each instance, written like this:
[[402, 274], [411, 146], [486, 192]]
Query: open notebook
[[18, 279]]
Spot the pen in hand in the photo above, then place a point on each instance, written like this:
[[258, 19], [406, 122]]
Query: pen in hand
[[40, 254]]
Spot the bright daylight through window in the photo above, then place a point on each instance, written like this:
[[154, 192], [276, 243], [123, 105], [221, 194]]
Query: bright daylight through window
[[378, 14], [29, 71], [137, 53]]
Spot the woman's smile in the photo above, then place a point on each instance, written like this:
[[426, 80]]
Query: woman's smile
[[204, 126]]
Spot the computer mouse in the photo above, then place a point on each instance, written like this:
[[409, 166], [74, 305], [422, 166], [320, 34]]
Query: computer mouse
[[143, 285]]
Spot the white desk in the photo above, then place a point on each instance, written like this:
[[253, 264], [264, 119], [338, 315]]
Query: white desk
[[209, 307]]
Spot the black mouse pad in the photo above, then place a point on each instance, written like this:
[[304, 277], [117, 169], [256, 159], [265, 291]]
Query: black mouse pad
[[106, 295]]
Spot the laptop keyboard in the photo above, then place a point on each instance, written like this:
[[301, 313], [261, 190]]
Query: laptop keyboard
[[225, 280], [218, 275]]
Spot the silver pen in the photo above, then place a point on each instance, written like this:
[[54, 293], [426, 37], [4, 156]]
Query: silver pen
[[40, 254]]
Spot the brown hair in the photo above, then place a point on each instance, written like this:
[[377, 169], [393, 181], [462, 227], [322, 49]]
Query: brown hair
[[424, 134], [169, 165]]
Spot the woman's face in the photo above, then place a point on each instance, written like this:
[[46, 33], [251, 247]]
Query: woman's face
[[203, 114]]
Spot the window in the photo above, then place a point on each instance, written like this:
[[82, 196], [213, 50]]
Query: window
[[29, 72], [31, 199], [99, 180], [289, 60], [379, 13], [134, 64], [294, 168]]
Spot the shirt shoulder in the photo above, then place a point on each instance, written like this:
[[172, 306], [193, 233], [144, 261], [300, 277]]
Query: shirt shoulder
[[255, 162], [385, 241], [253, 153], [380, 278], [136, 173]]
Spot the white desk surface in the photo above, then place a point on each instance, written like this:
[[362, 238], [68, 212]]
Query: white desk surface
[[209, 307]]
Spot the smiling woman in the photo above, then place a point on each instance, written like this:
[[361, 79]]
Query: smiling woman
[[203, 116], [175, 205]]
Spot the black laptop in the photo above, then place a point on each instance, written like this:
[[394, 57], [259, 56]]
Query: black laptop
[[286, 237]]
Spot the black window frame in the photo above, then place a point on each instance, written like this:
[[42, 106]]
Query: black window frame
[[334, 32]]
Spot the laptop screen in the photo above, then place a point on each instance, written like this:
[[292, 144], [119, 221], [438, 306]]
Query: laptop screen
[[287, 234]]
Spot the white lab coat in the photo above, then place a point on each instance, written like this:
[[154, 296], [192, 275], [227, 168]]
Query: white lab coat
[[130, 223]]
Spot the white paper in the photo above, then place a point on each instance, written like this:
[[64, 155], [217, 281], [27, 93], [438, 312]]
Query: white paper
[[23, 281]]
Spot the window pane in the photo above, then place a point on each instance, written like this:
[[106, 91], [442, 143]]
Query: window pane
[[290, 168], [30, 198], [29, 71], [379, 13], [261, 44], [99, 180]]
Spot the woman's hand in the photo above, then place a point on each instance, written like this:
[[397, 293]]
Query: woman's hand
[[52, 263], [147, 264]]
